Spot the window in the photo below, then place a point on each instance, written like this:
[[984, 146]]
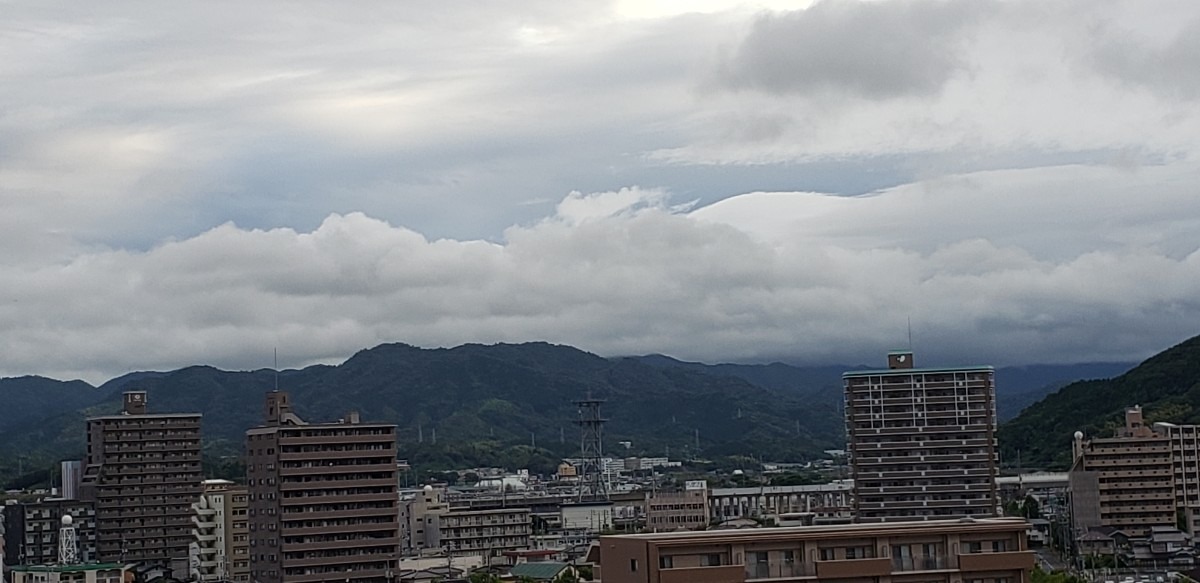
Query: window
[[864, 552], [633, 565], [710, 560], [999, 546], [666, 562], [827, 554]]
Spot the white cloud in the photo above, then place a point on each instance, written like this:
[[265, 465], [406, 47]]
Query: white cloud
[[805, 277], [202, 183]]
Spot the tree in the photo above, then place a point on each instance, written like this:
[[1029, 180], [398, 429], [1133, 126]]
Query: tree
[[1030, 508], [482, 577]]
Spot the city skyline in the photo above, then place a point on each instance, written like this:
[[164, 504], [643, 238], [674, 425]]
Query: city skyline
[[730, 181]]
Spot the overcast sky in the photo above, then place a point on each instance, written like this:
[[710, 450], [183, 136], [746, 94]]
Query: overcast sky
[[200, 183]]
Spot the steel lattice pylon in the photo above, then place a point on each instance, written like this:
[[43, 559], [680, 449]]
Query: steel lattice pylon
[[593, 485]]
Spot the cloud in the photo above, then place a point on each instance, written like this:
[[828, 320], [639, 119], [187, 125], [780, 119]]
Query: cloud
[[1167, 62], [801, 277], [874, 50]]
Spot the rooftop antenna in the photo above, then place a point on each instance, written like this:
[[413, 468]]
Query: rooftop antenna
[[276, 368], [910, 333], [68, 543]]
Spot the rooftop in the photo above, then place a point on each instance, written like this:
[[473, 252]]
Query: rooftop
[[67, 568], [910, 371], [863, 530]]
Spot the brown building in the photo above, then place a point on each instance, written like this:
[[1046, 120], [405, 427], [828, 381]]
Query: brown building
[[682, 510], [922, 441], [143, 472], [982, 551], [33, 527], [936, 551], [1137, 479], [323, 498]]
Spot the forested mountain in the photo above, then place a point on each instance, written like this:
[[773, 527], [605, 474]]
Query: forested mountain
[[476, 396], [1166, 385], [1017, 387]]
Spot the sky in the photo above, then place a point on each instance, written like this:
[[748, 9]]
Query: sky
[[1014, 181]]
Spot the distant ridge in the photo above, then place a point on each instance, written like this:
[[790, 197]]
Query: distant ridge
[[1166, 385]]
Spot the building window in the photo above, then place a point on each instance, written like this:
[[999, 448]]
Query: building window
[[666, 562], [633, 565], [710, 560]]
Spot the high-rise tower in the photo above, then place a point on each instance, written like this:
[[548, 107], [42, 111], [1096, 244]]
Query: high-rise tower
[[593, 484], [922, 441]]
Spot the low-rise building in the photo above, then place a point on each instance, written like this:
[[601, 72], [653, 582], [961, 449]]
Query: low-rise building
[[944, 551], [679, 510], [85, 573]]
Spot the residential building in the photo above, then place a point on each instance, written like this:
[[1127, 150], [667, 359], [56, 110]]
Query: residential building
[[86, 573], [143, 472], [679, 510], [323, 501], [71, 473], [1144, 476], [485, 530], [828, 503], [221, 549], [990, 550], [922, 442], [33, 528]]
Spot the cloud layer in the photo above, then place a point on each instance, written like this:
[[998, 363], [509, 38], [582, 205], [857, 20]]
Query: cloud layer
[[715, 180]]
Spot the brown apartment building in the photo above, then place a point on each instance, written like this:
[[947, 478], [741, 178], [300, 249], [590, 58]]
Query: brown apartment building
[[1143, 476], [323, 498], [922, 442], [936, 551], [143, 472]]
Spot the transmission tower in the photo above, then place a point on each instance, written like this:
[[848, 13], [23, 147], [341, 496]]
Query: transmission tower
[[593, 486]]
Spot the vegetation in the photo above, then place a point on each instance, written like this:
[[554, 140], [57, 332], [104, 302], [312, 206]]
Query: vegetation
[[474, 405], [1167, 386], [1040, 576]]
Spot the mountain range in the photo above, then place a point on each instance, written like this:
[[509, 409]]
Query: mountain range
[[473, 403], [1166, 386]]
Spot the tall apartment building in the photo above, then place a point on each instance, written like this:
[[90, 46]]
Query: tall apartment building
[[221, 550], [922, 441], [323, 498], [1141, 477], [33, 527], [990, 550], [143, 472]]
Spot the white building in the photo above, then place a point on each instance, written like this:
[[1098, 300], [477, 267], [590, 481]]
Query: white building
[[220, 548]]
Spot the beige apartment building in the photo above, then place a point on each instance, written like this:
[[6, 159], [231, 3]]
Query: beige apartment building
[[221, 550], [936, 551], [143, 472], [922, 441], [432, 525], [323, 502], [1143, 476]]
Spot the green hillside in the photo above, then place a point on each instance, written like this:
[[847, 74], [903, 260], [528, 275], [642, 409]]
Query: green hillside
[[482, 402], [1167, 386]]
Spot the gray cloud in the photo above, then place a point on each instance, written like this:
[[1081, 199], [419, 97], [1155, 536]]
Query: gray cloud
[[875, 50], [1170, 68]]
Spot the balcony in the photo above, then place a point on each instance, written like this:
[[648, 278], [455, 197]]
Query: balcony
[[879, 567], [996, 561], [721, 574], [926, 563], [777, 570]]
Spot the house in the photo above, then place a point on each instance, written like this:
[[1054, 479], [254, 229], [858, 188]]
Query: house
[[542, 571]]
